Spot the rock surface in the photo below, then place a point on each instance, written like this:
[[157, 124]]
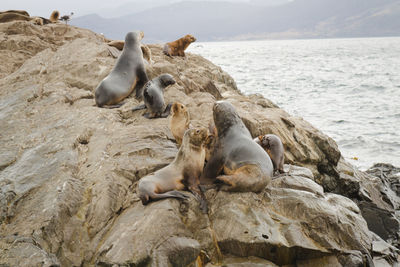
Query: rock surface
[[68, 171]]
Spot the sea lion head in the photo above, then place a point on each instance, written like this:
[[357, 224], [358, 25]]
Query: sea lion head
[[225, 116], [190, 38], [166, 79], [133, 37], [178, 108], [195, 136], [270, 140], [265, 141]]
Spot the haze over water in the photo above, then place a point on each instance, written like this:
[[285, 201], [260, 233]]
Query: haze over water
[[347, 88]]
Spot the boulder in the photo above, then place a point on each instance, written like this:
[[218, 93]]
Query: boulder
[[69, 171]]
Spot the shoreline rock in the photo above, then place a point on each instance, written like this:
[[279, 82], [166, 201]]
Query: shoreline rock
[[68, 171]]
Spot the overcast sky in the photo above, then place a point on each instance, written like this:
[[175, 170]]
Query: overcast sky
[[44, 8]]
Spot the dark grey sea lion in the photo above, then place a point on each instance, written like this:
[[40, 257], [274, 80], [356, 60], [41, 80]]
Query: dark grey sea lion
[[236, 160], [127, 75], [153, 97]]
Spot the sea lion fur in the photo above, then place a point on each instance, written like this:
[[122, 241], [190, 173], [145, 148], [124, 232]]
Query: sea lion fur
[[272, 144], [119, 44], [153, 97], [183, 173], [179, 121], [128, 74], [178, 47], [55, 15], [236, 161]]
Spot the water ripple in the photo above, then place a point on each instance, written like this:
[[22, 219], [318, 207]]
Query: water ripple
[[348, 88]]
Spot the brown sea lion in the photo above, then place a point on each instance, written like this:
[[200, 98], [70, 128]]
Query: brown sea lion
[[274, 147], [119, 44], [179, 121], [183, 173], [237, 160], [127, 75], [177, 48], [55, 15], [38, 21], [153, 96]]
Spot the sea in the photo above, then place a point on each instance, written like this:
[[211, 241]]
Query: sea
[[347, 88]]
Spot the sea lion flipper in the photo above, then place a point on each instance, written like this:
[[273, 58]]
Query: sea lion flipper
[[139, 107], [147, 115], [170, 194], [199, 195], [114, 106], [167, 111]]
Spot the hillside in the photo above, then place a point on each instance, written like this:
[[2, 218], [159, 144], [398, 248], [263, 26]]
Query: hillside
[[211, 21]]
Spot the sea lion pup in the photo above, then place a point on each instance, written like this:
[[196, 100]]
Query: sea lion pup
[[55, 15], [127, 75], [179, 121], [183, 172], [177, 48], [245, 165], [153, 96], [274, 147]]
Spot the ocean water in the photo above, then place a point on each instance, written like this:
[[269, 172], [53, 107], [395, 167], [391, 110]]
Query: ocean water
[[347, 88]]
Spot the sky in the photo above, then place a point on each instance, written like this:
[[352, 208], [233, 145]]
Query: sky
[[44, 8]]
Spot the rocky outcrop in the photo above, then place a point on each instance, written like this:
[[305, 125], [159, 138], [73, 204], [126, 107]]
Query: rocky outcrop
[[69, 170]]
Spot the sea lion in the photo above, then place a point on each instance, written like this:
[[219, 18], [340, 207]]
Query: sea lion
[[177, 48], [183, 173], [55, 15], [153, 96], [38, 21], [119, 44], [128, 74], [211, 140], [179, 121], [246, 167], [274, 147]]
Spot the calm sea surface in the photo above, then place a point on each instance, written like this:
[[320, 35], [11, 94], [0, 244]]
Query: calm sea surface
[[347, 88]]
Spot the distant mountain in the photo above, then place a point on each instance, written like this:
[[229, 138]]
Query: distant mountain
[[210, 21], [136, 6]]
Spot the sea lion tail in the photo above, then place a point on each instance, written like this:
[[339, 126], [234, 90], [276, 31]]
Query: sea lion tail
[[169, 194]]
